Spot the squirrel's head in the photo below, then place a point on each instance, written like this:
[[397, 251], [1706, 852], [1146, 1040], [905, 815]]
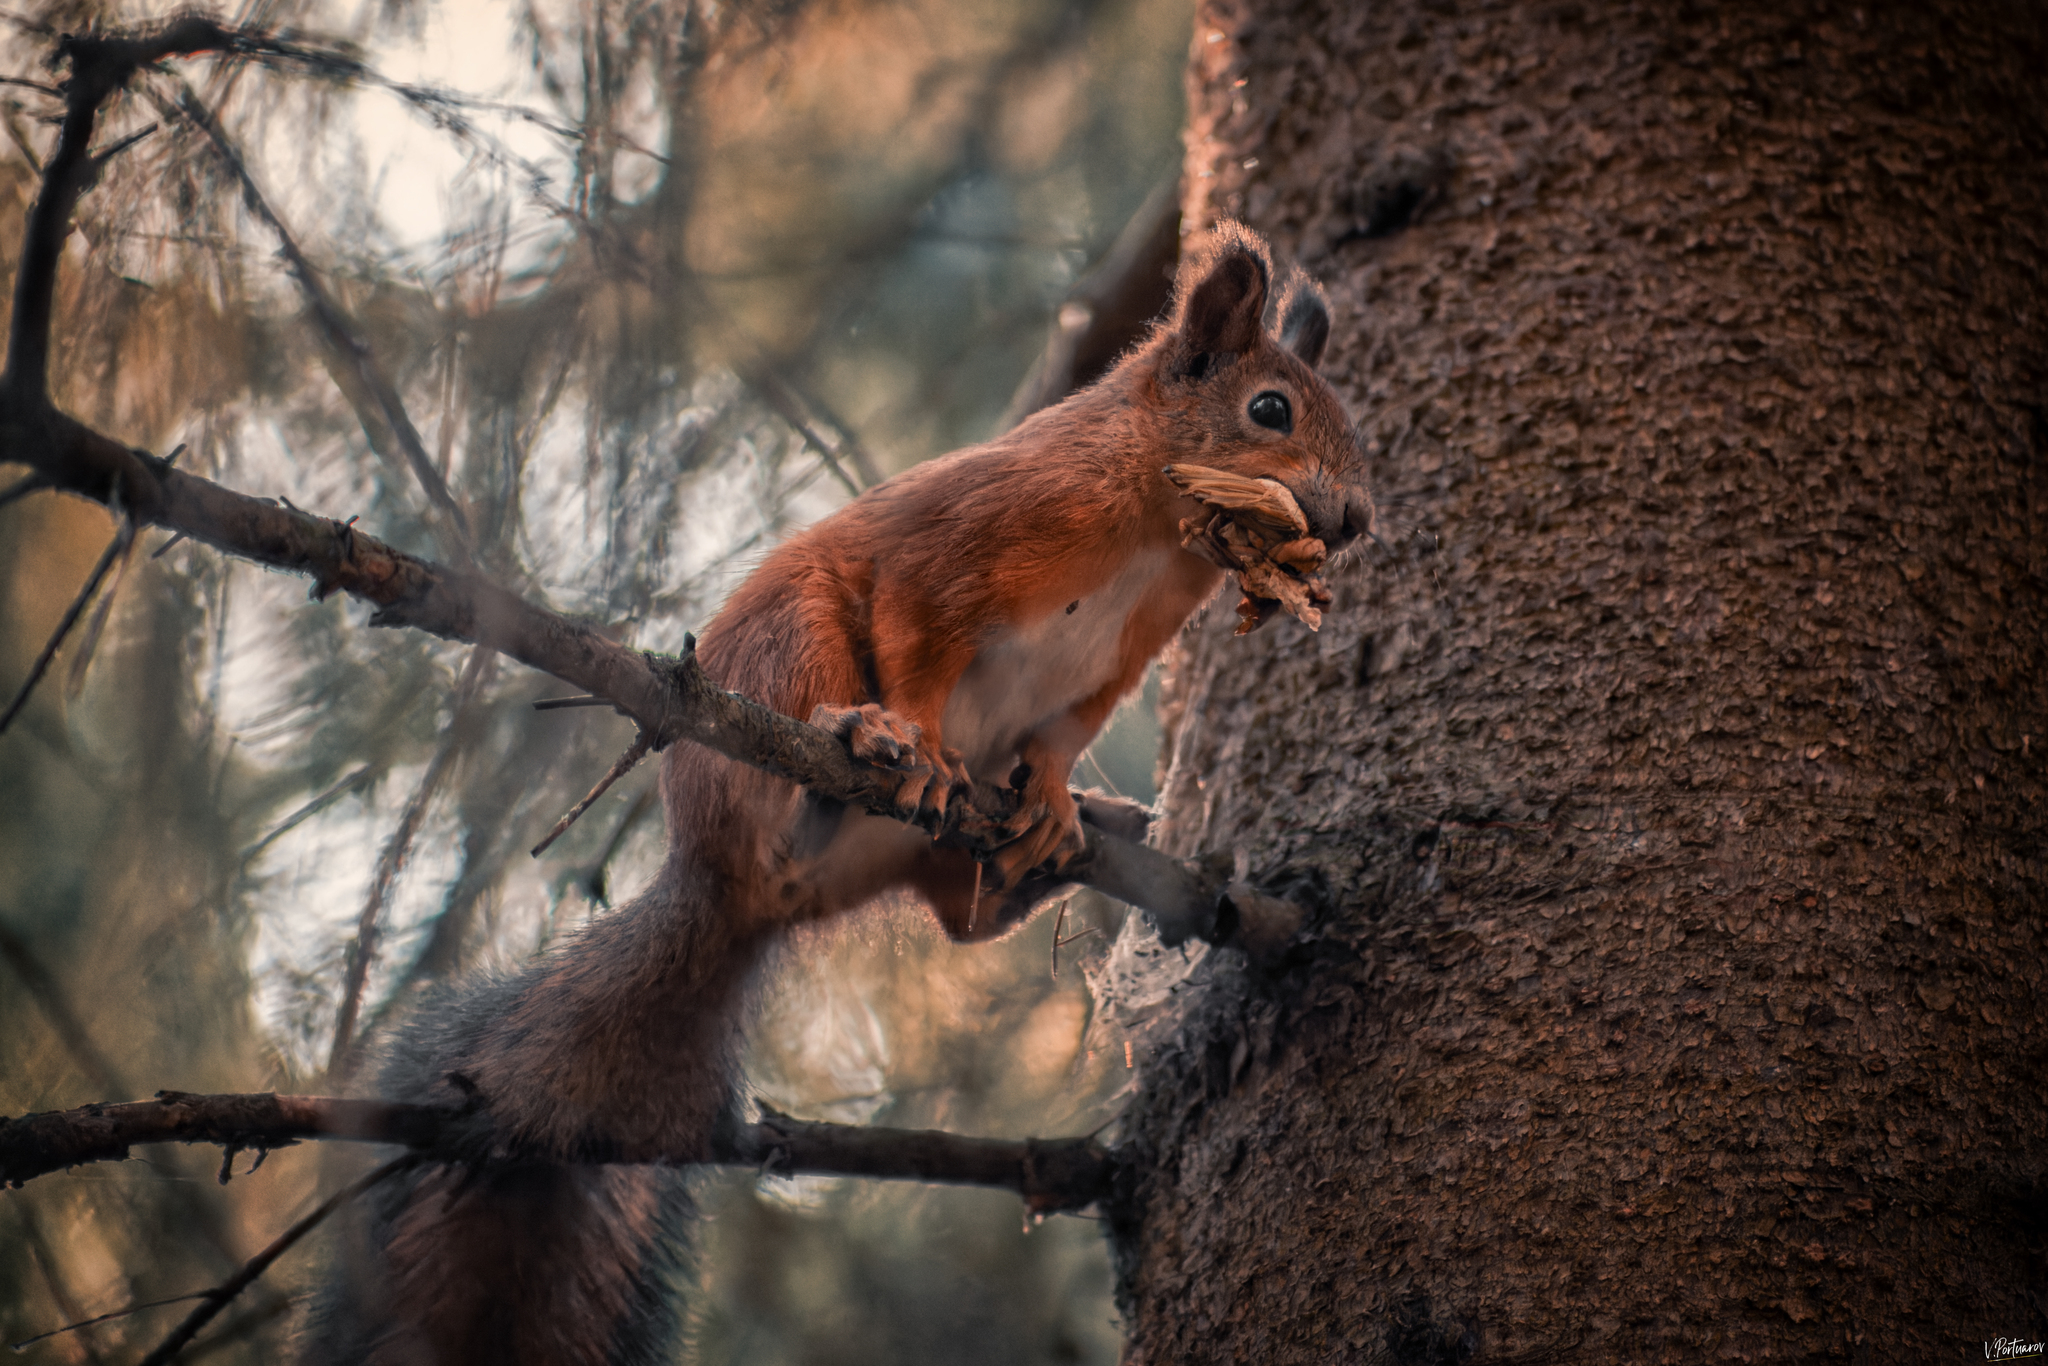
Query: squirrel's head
[[1243, 396]]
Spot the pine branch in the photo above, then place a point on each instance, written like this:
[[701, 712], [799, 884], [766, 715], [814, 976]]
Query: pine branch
[[1050, 1174]]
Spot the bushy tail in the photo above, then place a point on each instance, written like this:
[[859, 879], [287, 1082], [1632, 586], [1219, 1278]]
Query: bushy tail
[[533, 1265], [617, 1046]]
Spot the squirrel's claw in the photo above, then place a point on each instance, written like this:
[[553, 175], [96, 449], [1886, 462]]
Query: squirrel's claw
[[1050, 841], [932, 786], [950, 781], [932, 779], [916, 789], [871, 733], [1047, 825]]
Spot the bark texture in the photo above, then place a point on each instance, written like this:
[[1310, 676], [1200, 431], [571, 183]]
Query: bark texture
[[1674, 781]]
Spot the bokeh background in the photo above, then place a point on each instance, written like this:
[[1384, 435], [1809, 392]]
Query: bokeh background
[[657, 282]]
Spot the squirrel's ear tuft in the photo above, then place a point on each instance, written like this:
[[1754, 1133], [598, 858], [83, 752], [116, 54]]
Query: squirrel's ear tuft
[[1305, 319], [1222, 299]]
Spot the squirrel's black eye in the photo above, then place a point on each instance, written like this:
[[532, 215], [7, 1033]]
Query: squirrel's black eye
[[1271, 409]]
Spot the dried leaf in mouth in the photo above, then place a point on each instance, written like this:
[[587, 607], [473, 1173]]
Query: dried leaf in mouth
[[1304, 599], [1265, 502], [1255, 528], [1304, 556]]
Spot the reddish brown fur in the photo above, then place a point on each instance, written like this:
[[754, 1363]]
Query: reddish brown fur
[[893, 598], [942, 595]]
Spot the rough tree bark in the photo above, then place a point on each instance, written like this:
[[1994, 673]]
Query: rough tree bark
[[1681, 996]]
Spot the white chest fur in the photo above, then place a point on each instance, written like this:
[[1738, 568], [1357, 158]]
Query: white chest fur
[[1033, 672]]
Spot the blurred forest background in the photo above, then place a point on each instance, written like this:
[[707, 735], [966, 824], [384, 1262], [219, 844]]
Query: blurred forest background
[[656, 281]]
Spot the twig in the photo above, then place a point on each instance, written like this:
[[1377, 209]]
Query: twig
[[1055, 1173], [27, 1343], [1059, 923], [850, 444], [223, 1294], [633, 755], [363, 951], [116, 549], [57, 1010], [1096, 764], [22, 488], [1059, 943], [779, 396], [102, 158], [81, 658], [41, 86], [346, 343], [559, 703], [41, 1257], [312, 809]]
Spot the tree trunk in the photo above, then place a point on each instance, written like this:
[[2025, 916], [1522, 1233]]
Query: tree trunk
[[1674, 775]]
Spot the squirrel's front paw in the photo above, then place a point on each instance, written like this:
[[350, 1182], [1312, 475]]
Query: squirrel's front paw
[[878, 736], [871, 733], [930, 785]]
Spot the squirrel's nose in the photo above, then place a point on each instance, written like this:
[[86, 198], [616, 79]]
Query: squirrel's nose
[[1359, 513], [1337, 514], [1322, 504]]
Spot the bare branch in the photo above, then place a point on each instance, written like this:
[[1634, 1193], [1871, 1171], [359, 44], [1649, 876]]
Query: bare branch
[[100, 65], [313, 808], [81, 658], [36, 1144], [625, 763], [223, 1294], [1051, 1174], [117, 549], [121, 1313], [670, 698]]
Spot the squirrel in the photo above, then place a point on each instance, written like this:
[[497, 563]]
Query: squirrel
[[980, 614]]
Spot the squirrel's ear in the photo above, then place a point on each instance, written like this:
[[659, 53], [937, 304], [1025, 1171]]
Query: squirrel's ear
[[1305, 319], [1223, 310]]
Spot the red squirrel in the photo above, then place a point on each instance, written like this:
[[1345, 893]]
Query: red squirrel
[[980, 615]]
